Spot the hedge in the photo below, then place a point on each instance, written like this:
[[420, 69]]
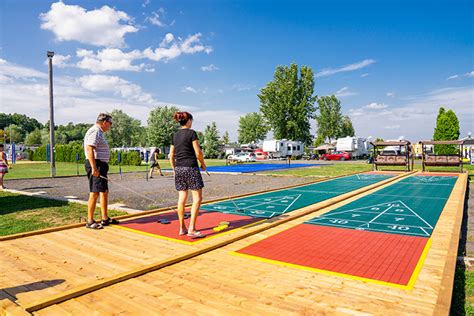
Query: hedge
[[67, 153]]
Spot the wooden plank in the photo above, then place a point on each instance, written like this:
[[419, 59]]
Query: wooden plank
[[93, 286]]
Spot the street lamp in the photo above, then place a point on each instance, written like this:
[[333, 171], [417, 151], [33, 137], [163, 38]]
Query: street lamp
[[51, 114]]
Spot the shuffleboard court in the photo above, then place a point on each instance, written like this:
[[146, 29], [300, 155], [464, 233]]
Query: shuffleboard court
[[242, 212], [381, 237], [267, 205], [411, 206], [258, 167]]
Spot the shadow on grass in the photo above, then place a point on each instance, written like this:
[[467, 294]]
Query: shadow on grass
[[15, 203], [11, 292], [458, 300]]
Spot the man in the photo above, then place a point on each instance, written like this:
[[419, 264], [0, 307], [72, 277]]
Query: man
[[97, 158]]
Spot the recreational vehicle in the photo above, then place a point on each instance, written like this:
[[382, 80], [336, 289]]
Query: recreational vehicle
[[355, 146], [283, 148]]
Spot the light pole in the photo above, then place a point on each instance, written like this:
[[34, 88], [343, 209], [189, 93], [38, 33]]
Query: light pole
[[51, 114]]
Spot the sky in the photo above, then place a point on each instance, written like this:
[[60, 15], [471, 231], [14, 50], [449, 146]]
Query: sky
[[391, 63]]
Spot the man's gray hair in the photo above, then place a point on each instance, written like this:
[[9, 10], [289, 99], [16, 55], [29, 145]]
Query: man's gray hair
[[104, 117]]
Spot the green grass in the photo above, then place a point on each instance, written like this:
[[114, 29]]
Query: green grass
[[20, 213], [339, 169], [463, 292], [27, 170]]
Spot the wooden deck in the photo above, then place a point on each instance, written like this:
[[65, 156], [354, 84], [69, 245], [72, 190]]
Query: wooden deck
[[85, 272]]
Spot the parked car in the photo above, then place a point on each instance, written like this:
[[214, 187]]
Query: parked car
[[337, 155], [260, 154], [244, 157]]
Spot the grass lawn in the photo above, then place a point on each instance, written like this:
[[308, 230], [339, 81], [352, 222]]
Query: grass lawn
[[338, 169], [20, 213], [463, 293], [27, 169]]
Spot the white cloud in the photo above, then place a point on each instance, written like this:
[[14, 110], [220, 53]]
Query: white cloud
[[210, 67], [10, 70], [417, 116], [362, 64], [59, 61], [117, 85], [189, 89], [344, 92], [155, 18], [391, 94], [145, 3], [100, 27], [467, 74], [109, 59], [171, 47], [80, 100], [364, 75], [375, 106]]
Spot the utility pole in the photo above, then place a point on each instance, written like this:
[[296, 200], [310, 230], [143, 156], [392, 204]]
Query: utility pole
[[51, 114]]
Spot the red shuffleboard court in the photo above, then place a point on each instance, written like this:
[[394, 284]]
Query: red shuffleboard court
[[206, 223], [389, 259]]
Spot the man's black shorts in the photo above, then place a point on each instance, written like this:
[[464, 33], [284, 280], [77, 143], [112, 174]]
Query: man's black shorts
[[97, 184]]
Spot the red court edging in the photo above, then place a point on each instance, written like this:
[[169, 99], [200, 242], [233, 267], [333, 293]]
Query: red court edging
[[384, 257]]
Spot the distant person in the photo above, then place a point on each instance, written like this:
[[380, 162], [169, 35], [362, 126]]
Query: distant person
[[3, 165], [97, 166], [154, 163], [185, 153]]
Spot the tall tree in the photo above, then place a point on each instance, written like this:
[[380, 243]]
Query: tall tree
[[161, 126], [15, 133], [287, 102], [33, 138], [226, 138], [329, 117], [252, 128], [346, 128], [211, 141], [123, 129], [447, 128]]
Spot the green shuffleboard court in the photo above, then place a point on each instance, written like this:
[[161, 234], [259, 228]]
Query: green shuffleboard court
[[267, 205], [411, 206]]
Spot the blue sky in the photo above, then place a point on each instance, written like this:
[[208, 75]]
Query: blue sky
[[391, 63]]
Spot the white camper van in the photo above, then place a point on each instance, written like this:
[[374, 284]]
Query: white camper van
[[355, 146], [283, 148]]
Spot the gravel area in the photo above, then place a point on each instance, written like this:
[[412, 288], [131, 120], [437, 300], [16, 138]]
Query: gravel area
[[154, 193]]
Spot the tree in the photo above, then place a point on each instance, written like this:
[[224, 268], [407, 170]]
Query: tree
[[123, 129], [15, 133], [346, 128], [33, 138], [447, 128], [287, 103], [161, 126], [329, 118], [225, 138], [252, 128], [211, 141]]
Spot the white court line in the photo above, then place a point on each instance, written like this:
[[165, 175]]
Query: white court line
[[374, 229], [425, 183], [360, 208], [376, 223], [417, 215]]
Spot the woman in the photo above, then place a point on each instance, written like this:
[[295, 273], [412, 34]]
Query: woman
[[154, 163], [3, 165], [184, 155]]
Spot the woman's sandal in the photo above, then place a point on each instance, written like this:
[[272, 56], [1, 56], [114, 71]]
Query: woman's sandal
[[196, 234], [94, 225], [183, 232], [108, 221]]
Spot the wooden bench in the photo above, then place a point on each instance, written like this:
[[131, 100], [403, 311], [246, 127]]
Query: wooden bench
[[392, 160], [442, 160]]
